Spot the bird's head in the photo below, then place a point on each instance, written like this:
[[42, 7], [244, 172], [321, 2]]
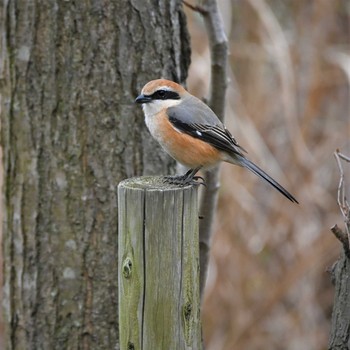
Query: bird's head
[[160, 94]]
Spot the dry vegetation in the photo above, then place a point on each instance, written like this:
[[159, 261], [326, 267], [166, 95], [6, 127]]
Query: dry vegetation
[[288, 105]]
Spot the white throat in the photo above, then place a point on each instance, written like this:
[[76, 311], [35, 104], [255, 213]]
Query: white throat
[[153, 117]]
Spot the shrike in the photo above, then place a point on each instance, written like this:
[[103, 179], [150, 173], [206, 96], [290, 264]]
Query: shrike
[[191, 133]]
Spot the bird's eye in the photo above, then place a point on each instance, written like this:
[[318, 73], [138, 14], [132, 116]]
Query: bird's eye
[[165, 95], [161, 93]]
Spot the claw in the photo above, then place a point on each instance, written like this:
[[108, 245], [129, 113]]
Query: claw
[[187, 179], [182, 180]]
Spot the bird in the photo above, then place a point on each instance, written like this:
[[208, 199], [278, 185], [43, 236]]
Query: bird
[[191, 133]]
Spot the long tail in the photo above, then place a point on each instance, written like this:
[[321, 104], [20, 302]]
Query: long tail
[[257, 171]]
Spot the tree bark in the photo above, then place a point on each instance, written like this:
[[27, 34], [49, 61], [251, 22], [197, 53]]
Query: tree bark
[[69, 72], [340, 327]]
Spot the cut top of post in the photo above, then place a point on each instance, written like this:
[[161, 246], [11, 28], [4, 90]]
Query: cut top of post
[[152, 183]]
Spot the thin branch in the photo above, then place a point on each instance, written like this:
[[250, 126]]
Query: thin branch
[[343, 204], [343, 156], [341, 183], [195, 8], [341, 197], [219, 57]]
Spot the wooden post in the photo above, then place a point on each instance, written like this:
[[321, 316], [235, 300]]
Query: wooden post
[[158, 265]]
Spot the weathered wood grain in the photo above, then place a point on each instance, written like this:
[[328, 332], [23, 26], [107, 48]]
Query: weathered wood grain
[[158, 265]]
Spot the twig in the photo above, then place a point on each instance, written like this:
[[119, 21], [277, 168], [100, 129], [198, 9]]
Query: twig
[[343, 205], [343, 156], [341, 198], [195, 8]]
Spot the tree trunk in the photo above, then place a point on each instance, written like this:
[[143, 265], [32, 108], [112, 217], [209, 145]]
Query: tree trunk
[[69, 72], [340, 327]]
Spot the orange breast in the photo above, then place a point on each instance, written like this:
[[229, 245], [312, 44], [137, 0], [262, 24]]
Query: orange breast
[[186, 149]]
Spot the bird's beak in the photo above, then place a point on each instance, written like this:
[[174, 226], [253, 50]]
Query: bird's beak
[[143, 99]]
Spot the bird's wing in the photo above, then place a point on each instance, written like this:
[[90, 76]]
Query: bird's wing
[[195, 118], [198, 120]]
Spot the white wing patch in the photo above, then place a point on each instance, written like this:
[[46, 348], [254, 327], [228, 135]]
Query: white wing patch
[[176, 129]]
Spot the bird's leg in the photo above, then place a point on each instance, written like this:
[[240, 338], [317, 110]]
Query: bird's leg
[[187, 179]]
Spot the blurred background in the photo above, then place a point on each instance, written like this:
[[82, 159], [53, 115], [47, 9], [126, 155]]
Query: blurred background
[[288, 104]]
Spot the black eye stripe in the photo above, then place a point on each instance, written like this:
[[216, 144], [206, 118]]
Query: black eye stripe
[[165, 95]]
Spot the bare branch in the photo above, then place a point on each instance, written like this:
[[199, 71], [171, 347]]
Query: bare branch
[[343, 204], [341, 198], [343, 156], [219, 57], [195, 8]]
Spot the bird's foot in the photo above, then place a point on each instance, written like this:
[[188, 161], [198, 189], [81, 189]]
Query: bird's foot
[[184, 180]]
